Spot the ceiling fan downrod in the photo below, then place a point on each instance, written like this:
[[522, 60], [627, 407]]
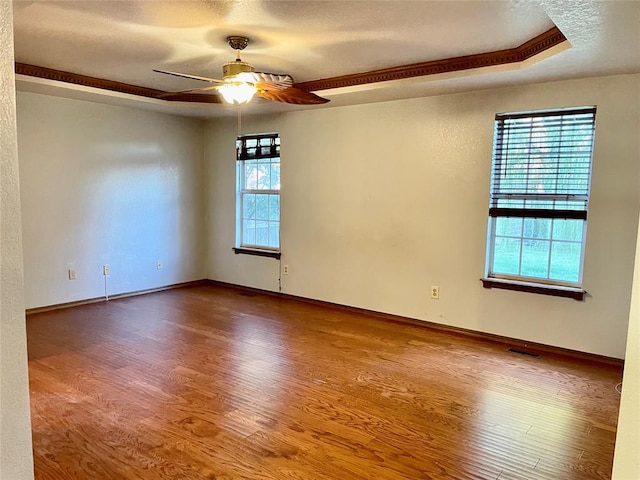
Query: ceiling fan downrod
[[231, 69]]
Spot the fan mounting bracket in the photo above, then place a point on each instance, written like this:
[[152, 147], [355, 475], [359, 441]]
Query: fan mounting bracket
[[237, 42]]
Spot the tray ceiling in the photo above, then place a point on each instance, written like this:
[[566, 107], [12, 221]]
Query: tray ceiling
[[123, 41]]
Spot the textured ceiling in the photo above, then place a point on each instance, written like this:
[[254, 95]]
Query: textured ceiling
[[125, 41]]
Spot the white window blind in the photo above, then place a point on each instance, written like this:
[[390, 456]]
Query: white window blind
[[542, 164]]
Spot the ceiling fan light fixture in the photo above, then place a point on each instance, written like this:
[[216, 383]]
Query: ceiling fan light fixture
[[236, 90], [237, 93]]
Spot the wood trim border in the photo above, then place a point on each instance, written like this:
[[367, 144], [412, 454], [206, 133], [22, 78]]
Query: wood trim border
[[88, 301], [104, 84], [539, 288], [85, 81], [489, 337], [536, 45], [256, 252]]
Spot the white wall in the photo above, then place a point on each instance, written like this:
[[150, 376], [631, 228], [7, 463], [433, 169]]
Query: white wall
[[626, 462], [16, 461], [381, 201], [107, 185]]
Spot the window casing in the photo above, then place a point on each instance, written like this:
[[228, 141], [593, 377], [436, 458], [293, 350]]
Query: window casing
[[258, 192], [540, 182]]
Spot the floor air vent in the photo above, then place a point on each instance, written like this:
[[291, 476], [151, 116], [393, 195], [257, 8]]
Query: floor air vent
[[519, 351]]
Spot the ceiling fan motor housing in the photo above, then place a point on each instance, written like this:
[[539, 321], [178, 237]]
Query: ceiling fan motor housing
[[234, 68]]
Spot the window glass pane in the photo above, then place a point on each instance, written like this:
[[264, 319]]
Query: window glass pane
[[508, 226], [565, 261], [568, 229], [274, 207], [537, 228], [262, 233], [249, 232], [262, 207], [275, 176], [535, 258], [250, 175], [506, 257], [264, 177], [274, 234], [249, 205]]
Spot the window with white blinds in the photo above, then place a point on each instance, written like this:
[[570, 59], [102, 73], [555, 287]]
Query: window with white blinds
[[540, 180]]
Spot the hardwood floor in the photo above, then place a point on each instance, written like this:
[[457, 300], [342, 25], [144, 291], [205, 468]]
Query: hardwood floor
[[210, 382]]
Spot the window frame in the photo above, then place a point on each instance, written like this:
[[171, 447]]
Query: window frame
[[255, 154], [500, 163]]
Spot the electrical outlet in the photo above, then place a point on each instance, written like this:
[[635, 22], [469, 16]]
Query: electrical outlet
[[158, 265], [285, 269], [106, 270], [435, 292], [72, 274]]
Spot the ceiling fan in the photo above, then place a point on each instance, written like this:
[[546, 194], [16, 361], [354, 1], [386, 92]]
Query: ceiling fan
[[240, 82]]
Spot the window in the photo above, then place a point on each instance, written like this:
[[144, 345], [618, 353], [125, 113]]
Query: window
[[258, 194], [540, 181]]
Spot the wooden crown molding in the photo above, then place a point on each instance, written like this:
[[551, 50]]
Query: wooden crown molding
[[539, 44], [104, 84], [85, 81]]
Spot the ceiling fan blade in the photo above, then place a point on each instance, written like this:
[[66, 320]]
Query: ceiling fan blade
[[194, 98], [184, 92], [289, 95], [193, 77], [279, 88], [273, 80]]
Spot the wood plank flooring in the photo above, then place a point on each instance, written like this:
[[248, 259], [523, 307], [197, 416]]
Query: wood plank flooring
[[211, 382]]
